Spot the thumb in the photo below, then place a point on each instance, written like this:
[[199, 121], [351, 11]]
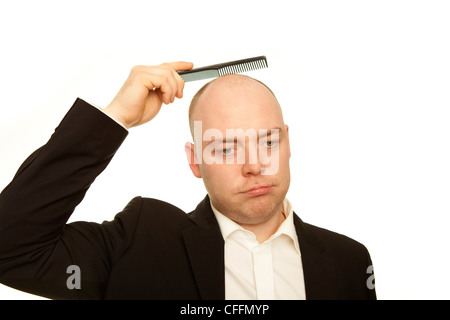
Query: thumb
[[179, 65]]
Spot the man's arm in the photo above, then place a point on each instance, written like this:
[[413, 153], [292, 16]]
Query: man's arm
[[36, 245]]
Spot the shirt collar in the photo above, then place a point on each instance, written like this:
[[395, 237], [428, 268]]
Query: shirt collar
[[228, 226]]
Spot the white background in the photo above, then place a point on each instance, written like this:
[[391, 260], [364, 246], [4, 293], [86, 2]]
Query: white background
[[364, 86]]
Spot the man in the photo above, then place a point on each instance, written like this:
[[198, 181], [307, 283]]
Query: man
[[243, 241]]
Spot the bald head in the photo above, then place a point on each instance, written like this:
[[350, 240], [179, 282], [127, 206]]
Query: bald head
[[226, 87]]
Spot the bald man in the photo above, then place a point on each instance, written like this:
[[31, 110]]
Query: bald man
[[243, 241]]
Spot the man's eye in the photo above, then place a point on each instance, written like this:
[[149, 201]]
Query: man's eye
[[271, 143], [225, 151]]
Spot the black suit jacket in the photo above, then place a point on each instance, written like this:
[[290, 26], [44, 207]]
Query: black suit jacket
[[152, 249]]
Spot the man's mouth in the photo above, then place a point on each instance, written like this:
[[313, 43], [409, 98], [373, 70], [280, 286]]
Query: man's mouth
[[258, 190]]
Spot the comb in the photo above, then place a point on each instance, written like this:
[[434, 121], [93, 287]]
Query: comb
[[222, 69]]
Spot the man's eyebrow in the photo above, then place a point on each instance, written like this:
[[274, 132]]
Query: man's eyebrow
[[270, 131], [233, 139]]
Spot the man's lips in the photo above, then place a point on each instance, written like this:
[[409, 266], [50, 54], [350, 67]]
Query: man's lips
[[258, 190]]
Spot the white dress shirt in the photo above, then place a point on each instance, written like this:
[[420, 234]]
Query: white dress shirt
[[267, 271]]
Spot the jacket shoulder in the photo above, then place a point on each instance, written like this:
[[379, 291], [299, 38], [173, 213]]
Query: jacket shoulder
[[348, 254], [163, 213], [332, 240]]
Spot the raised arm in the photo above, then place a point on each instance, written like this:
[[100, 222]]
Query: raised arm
[[36, 244]]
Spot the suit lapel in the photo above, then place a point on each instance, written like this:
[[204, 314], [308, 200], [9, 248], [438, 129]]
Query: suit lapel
[[318, 270], [205, 248]]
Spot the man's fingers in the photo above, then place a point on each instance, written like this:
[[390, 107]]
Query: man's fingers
[[179, 66], [163, 78], [169, 88], [176, 82], [180, 85]]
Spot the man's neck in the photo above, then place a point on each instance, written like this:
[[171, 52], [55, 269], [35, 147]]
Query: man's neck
[[265, 230]]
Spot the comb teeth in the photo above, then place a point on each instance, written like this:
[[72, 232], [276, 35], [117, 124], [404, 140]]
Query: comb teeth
[[243, 67]]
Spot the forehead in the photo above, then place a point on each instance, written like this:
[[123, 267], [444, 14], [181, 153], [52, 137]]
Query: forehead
[[235, 102]]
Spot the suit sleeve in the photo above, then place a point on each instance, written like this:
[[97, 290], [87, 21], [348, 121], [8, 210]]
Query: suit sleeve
[[36, 244]]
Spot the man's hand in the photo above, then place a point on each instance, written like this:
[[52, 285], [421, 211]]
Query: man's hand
[[146, 89]]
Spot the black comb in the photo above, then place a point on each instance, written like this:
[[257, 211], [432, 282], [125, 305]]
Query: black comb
[[221, 69]]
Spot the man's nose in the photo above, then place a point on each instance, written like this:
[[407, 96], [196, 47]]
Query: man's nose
[[251, 169], [252, 164]]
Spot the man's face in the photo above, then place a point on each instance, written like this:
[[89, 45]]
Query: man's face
[[247, 177]]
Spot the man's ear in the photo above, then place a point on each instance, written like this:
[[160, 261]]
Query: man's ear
[[287, 135], [192, 159]]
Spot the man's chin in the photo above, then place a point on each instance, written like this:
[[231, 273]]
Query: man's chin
[[258, 210], [250, 209]]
